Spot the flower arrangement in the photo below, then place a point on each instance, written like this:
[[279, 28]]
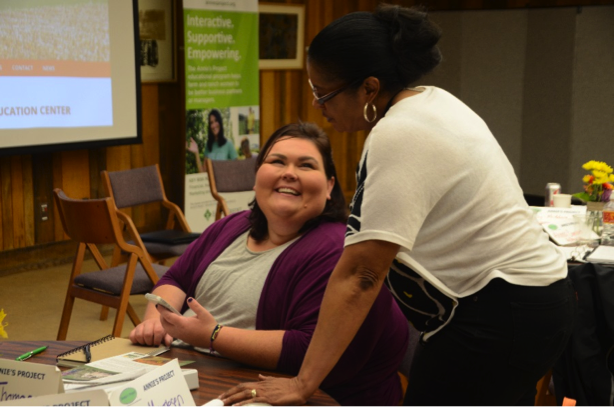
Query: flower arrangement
[[598, 184], [2, 324]]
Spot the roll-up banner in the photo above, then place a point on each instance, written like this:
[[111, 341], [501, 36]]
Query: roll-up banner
[[222, 84]]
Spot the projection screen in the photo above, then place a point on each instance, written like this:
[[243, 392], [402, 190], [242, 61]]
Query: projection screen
[[69, 75]]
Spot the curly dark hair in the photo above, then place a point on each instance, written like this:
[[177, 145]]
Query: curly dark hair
[[335, 208], [400, 44]]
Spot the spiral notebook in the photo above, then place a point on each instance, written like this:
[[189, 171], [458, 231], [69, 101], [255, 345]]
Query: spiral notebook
[[103, 348]]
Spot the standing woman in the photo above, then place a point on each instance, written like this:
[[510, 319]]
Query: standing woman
[[218, 147], [438, 216]]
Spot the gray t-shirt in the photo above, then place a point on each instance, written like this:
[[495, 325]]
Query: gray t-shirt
[[231, 287]]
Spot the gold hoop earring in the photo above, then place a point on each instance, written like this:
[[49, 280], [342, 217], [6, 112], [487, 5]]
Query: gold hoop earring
[[373, 110]]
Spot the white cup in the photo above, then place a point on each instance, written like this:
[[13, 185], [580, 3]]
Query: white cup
[[562, 200]]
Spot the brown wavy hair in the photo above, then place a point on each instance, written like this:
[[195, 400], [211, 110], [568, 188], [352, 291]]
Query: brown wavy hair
[[335, 209]]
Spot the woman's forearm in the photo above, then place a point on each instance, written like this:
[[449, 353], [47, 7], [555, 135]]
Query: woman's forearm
[[199, 163], [352, 289], [255, 348]]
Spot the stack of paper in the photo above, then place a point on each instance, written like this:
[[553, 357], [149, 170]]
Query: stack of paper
[[602, 255], [107, 373]]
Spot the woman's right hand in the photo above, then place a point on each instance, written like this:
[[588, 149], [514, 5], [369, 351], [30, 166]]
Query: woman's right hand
[[192, 146], [150, 332]]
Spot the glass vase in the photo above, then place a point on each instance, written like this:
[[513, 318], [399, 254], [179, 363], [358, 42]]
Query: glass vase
[[594, 215]]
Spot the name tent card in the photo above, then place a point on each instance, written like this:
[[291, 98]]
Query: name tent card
[[164, 386], [22, 380], [82, 398]]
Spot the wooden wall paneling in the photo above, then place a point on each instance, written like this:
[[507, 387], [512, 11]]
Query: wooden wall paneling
[[118, 158], [293, 96], [172, 105], [7, 202], [57, 183], [306, 109], [28, 204], [340, 8], [280, 100], [43, 184], [268, 104], [171, 143], [149, 216], [17, 198], [312, 9], [369, 5], [71, 173], [97, 161], [327, 14], [76, 174], [288, 103]]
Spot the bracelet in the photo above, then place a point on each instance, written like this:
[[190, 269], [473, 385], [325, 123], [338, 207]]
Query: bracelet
[[214, 335]]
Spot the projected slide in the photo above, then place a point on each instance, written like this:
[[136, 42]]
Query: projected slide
[[55, 64]]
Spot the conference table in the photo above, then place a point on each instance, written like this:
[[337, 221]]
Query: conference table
[[216, 374]]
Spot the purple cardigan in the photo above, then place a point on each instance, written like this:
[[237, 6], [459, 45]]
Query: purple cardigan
[[367, 372]]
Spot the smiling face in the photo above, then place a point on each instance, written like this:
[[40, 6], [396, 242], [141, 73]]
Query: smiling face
[[345, 110], [291, 184], [214, 125]]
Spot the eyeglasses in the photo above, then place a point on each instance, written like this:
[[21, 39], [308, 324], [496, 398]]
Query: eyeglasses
[[321, 100]]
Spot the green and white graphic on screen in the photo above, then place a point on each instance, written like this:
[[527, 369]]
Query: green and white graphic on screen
[[221, 50]]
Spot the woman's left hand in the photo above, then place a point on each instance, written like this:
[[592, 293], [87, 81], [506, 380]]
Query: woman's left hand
[[195, 330], [270, 390]]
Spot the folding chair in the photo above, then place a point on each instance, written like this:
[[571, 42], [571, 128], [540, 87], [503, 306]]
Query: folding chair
[[92, 222], [229, 176], [140, 186]]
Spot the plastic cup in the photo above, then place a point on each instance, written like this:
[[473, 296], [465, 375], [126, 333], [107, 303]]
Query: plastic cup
[[562, 200]]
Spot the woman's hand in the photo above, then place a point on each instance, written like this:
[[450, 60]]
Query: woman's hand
[[150, 332], [271, 390], [195, 330], [192, 146]]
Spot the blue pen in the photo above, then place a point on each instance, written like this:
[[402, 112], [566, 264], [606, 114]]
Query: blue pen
[[28, 355]]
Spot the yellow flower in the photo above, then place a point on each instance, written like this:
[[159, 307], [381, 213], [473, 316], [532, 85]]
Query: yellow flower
[[606, 168], [598, 165], [599, 180], [2, 325], [600, 177]]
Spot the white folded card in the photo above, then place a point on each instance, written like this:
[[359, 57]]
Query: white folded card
[[20, 380], [84, 398], [163, 386], [559, 223]]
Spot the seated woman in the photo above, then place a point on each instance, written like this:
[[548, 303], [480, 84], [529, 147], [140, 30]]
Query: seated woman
[[261, 274]]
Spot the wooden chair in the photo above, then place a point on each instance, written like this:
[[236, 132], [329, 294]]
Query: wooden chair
[[544, 395], [91, 222], [141, 186], [229, 176]]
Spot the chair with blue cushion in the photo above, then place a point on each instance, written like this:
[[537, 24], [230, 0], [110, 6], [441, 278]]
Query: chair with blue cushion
[[140, 186], [92, 222]]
